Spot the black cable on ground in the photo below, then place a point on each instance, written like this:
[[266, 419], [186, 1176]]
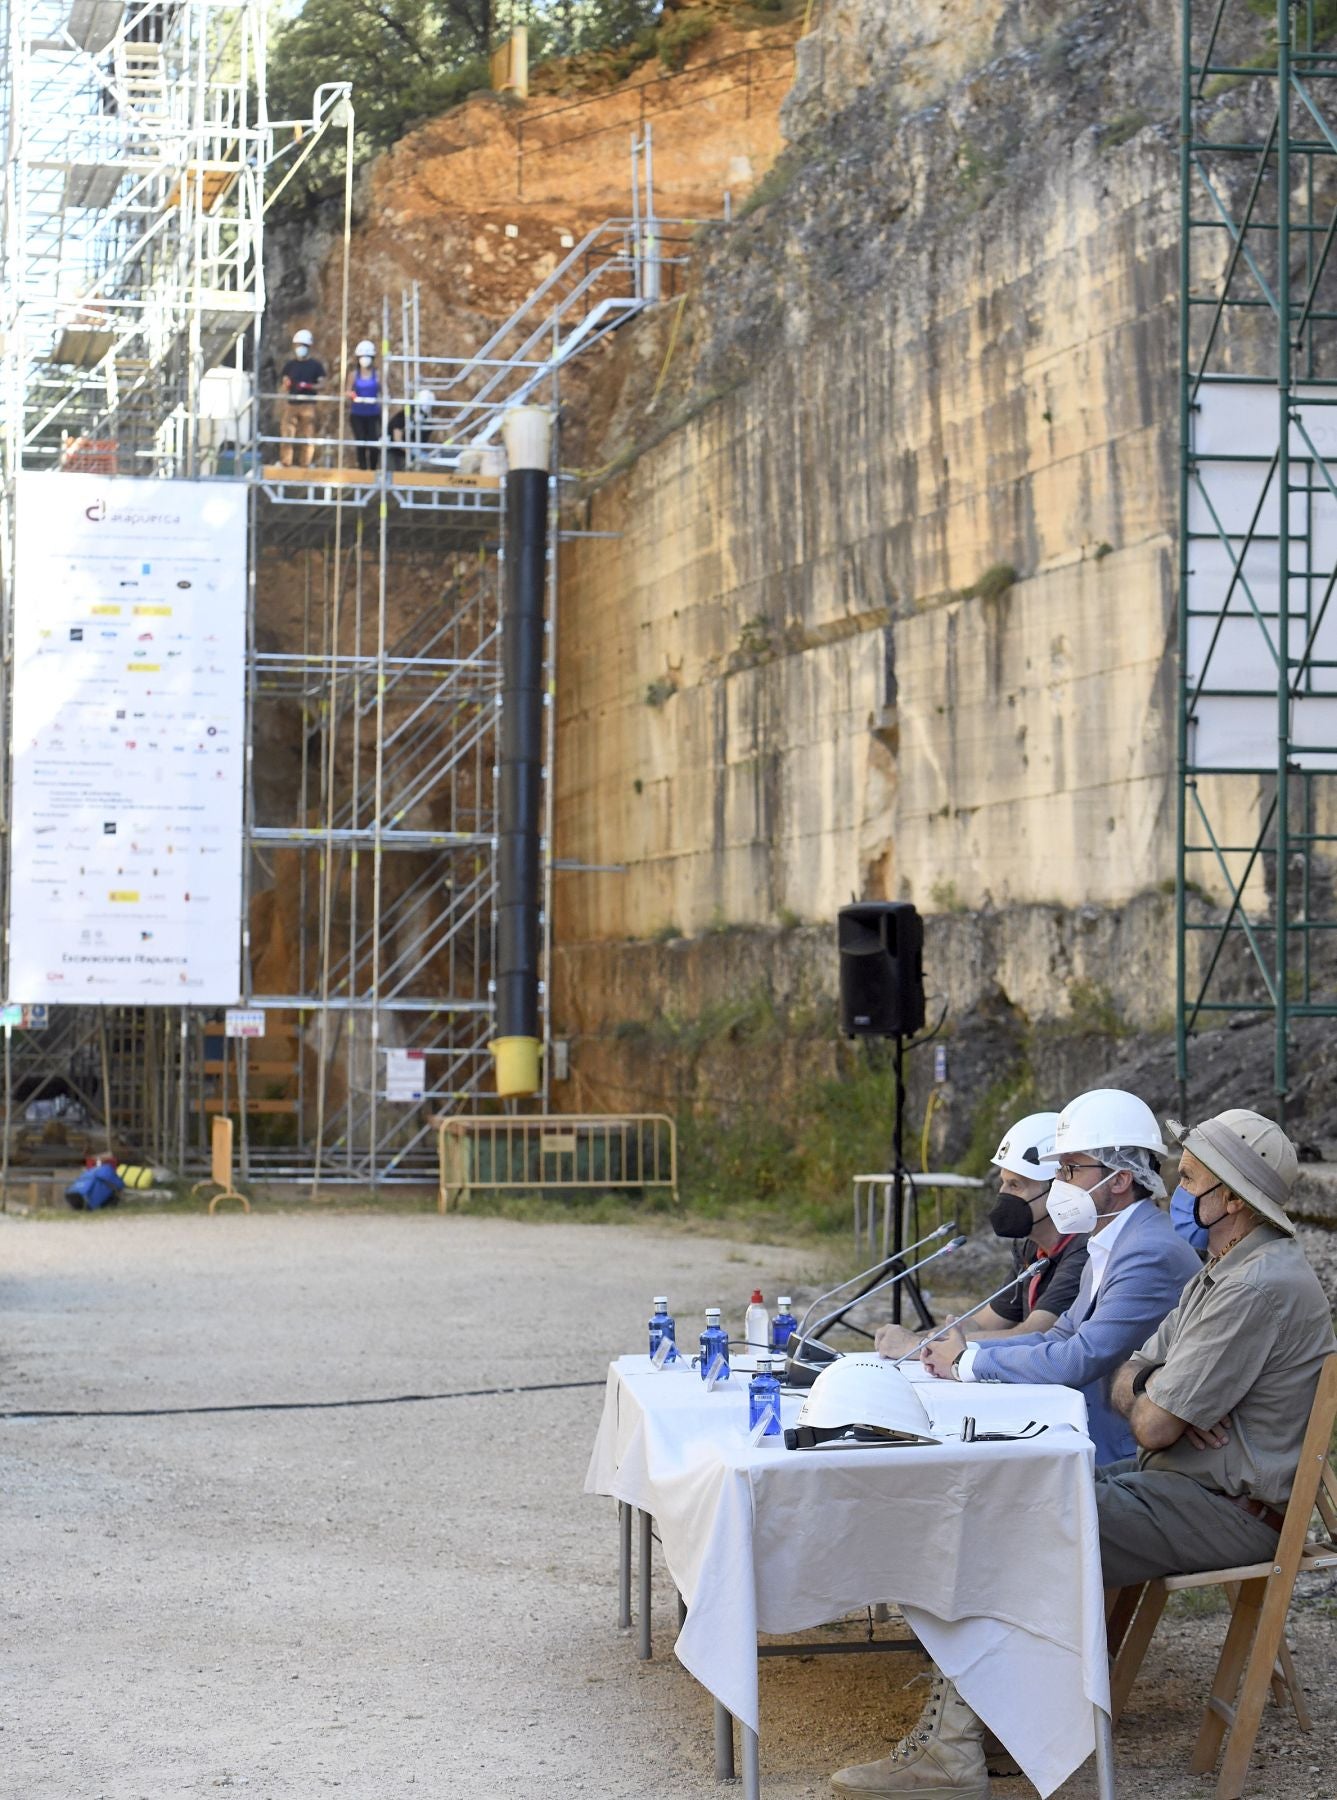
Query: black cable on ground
[[277, 1406]]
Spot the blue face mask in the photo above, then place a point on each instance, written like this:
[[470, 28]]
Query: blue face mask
[[1183, 1217]]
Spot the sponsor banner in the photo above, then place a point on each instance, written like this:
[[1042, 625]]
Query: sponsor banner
[[127, 740]]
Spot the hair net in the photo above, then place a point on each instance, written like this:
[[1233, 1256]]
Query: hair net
[[1140, 1164]]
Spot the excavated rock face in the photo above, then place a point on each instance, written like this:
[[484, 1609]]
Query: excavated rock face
[[891, 613], [909, 582]]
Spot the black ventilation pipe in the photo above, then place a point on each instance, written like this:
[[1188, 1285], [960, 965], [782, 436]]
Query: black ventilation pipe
[[527, 433]]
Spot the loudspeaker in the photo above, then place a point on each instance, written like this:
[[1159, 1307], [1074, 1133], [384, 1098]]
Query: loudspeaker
[[881, 944]]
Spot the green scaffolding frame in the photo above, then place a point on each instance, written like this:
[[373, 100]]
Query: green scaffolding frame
[[1257, 340]]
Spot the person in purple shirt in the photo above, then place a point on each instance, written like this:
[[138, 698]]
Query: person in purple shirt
[[364, 405]]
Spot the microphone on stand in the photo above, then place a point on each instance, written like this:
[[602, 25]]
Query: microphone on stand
[[875, 1269], [1016, 1281], [807, 1357]]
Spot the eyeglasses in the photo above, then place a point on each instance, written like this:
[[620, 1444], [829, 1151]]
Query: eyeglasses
[[1068, 1169]]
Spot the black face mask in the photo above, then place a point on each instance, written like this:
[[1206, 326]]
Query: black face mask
[[1010, 1217]]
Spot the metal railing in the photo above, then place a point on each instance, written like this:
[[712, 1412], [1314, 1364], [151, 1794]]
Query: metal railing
[[554, 1153], [921, 1199]]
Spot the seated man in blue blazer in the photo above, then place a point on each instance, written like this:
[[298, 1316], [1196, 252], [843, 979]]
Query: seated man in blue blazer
[[1107, 1145]]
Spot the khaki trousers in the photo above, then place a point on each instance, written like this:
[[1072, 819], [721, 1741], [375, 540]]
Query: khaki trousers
[[1154, 1522], [297, 419]]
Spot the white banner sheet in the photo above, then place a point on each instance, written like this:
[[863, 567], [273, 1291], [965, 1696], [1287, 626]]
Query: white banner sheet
[[128, 741]]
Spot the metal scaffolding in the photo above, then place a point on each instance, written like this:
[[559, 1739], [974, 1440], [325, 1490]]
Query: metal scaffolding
[[1258, 634], [142, 161]]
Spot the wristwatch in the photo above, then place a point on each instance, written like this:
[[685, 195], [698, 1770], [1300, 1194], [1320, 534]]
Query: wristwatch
[[956, 1362]]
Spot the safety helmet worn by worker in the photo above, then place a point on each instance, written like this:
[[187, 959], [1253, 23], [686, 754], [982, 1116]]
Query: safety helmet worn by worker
[[304, 338], [365, 348], [1028, 1148], [866, 1398], [424, 398], [1104, 1118]]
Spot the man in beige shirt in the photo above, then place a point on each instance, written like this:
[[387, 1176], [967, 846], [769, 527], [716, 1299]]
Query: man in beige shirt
[[1219, 1397]]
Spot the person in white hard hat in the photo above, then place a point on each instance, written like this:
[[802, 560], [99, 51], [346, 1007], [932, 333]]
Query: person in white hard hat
[[364, 405], [1020, 1215], [1219, 1398], [300, 381], [1107, 1145]]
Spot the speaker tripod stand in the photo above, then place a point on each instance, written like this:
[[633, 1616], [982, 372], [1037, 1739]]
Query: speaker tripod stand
[[895, 1263]]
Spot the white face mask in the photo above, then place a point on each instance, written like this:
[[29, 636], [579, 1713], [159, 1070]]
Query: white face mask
[[1073, 1208]]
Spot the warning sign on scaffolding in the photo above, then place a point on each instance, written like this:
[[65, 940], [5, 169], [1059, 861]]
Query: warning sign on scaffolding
[[127, 740], [241, 1022], [405, 1075]]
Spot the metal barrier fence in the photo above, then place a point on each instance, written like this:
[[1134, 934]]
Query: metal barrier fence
[[554, 1153], [921, 1202]]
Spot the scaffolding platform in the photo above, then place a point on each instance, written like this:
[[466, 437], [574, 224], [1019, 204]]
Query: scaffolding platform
[[371, 478]]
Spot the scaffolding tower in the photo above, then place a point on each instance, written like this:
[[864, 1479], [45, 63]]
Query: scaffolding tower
[[142, 162], [1258, 431]]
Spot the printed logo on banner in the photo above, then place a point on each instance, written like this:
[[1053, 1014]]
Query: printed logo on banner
[[88, 548]]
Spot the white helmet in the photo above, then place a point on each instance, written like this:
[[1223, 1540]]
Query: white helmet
[[365, 348], [1106, 1119], [424, 398], [304, 338], [1028, 1148], [865, 1397]]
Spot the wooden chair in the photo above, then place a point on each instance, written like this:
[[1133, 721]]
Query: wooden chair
[[1260, 1598]]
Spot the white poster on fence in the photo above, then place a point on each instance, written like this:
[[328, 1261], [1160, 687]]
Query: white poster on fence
[[127, 740]]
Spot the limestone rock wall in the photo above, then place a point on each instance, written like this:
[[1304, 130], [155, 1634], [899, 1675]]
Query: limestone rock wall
[[801, 672]]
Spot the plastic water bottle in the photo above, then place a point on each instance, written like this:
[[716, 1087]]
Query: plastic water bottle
[[662, 1325], [714, 1343], [756, 1324], [763, 1397], [783, 1325]]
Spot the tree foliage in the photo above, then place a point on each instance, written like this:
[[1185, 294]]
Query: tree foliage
[[410, 60]]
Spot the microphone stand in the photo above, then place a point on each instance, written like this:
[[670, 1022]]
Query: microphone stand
[[1016, 1281], [874, 1278], [808, 1355]]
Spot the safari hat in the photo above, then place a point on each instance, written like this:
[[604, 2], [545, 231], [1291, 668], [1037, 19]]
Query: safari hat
[[1250, 1154]]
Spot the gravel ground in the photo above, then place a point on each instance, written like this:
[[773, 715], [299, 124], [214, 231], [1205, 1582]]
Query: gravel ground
[[404, 1598]]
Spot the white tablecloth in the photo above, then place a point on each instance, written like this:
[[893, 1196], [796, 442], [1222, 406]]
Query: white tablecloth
[[990, 1550]]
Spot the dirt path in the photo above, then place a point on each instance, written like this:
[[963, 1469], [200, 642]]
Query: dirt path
[[396, 1599]]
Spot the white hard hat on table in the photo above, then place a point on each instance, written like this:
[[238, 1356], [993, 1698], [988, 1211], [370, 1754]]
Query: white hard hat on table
[[868, 1395], [1028, 1148], [1104, 1119]]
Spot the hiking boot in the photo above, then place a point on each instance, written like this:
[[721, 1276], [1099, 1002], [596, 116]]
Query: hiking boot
[[998, 1759], [941, 1759]]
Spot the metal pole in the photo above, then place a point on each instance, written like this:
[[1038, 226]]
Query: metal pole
[[1104, 1754], [897, 1165], [327, 855], [1282, 1002], [751, 1764], [643, 1587], [1181, 723], [378, 790], [724, 1763], [623, 1566]]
